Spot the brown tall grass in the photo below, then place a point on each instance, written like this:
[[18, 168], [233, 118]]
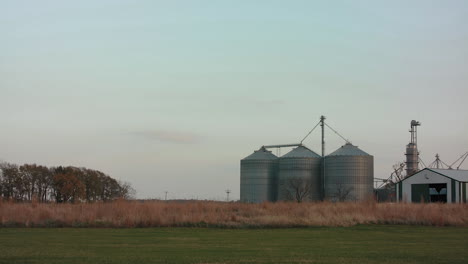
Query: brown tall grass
[[219, 214]]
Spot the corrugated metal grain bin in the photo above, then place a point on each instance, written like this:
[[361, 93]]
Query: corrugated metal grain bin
[[349, 174], [259, 177], [299, 174]]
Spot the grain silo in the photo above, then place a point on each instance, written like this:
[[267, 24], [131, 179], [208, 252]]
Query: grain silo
[[349, 174], [412, 153], [299, 175], [259, 177]]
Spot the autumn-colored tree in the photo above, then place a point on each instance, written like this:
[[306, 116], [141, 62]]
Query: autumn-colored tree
[[44, 182], [14, 184], [8, 179], [62, 184], [92, 183], [111, 188], [36, 181], [68, 188]]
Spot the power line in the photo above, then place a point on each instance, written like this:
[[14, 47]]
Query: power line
[[420, 160], [347, 141], [310, 131], [461, 157]]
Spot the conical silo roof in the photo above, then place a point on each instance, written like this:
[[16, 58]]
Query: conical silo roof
[[261, 154], [301, 152], [348, 150]]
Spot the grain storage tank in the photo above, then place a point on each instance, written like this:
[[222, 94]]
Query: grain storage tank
[[349, 174], [259, 177], [299, 174]]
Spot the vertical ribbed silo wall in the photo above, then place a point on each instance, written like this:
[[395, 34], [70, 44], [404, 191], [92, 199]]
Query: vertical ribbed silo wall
[[412, 159], [307, 169], [258, 180], [349, 178]]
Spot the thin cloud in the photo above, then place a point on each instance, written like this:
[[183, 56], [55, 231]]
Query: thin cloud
[[270, 102], [169, 136]]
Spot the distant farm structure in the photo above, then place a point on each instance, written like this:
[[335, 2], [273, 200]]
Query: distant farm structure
[[347, 174]]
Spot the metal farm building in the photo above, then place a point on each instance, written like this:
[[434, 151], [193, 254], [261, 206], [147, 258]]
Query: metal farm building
[[259, 176], [300, 166], [349, 174], [434, 185], [346, 174]]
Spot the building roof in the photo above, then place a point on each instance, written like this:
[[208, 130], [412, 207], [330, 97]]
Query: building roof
[[301, 152], [261, 154], [348, 150], [458, 175]]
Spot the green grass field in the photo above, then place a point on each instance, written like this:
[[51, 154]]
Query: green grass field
[[360, 244]]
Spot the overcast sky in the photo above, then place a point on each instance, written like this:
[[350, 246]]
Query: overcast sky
[[170, 95]]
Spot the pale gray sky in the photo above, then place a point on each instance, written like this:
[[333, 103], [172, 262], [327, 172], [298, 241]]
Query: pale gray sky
[[170, 95]]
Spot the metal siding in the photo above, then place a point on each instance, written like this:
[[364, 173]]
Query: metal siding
[[355, 173], [349, 149], [464, 192], [412, 159], [258, 180], [459, 192], [400, 191], [458, 175], [426, 176], [453, 191], [420, 193], [299, 168]]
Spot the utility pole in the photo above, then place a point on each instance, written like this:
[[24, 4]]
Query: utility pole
[[227, 194], [322, 124], [165, 196]]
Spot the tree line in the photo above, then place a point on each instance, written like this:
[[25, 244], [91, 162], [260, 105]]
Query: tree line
[[60, 184]]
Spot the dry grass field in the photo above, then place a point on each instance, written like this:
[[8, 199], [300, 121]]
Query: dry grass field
[[128, 214]]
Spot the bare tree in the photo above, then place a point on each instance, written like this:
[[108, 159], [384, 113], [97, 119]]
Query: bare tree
[[126, 190], [343, 192], [297, 189]]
